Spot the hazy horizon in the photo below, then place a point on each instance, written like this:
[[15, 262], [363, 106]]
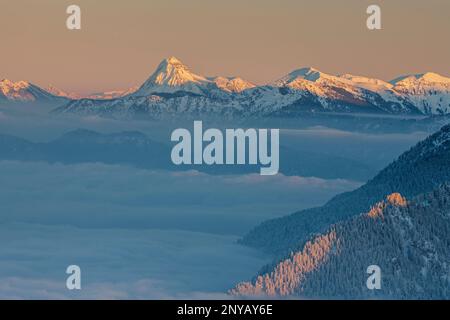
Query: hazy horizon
[[121, 44]]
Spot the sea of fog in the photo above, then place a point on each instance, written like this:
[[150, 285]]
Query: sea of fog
[[144, 234], [137, 233]]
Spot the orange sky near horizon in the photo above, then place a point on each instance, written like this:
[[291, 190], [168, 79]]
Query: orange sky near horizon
[[122, 42]]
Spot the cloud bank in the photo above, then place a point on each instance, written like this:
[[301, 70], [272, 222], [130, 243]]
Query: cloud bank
[[137, 233]]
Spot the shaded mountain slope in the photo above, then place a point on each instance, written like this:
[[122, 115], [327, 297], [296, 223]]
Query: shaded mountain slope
[[138, 150], [417, 171]]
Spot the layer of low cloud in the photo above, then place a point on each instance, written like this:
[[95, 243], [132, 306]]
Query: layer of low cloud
[[120, 264], [22, 288], [106, 196], [137, 233]]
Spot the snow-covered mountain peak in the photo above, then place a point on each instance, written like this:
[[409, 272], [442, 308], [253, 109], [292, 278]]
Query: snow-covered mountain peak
[[172, 72], [308, 73], [430, 92], [106, 95], [434, 77], [61, 93], [372, 84], [24, 91], [113, 94], [422, 78], [173, 60], [172, 76], [170, 67], [173, 87], [232, 84], [8, 85], [311, 79]]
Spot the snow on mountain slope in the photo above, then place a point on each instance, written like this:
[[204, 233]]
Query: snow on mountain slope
[[381, 87], [316, 82], [429, 92], [23, 91], [107, 95], [342, 94], [170, 91], [408, 240], [172, 76], [61, 93], [371, 84], [309, 74], [173, 86], [152, 107], [233, 84], [113, 94]]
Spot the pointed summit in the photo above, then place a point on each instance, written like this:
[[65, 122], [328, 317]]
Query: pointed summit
[[172, 76], [172, 60]]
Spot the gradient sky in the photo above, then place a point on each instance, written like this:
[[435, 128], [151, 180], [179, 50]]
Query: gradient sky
[[122, 42]]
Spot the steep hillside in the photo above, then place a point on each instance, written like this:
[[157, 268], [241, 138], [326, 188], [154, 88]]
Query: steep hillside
[[417, 171], [408, 240]]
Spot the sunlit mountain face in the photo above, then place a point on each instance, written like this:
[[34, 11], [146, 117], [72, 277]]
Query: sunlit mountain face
[[23, 91], [173, 89], [107, 95], [406, 238]]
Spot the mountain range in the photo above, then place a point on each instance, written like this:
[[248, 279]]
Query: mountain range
[[26, 92], [173, 89]]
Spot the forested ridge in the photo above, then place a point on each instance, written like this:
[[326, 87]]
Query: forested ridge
[[419, 170], [407, 239]]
